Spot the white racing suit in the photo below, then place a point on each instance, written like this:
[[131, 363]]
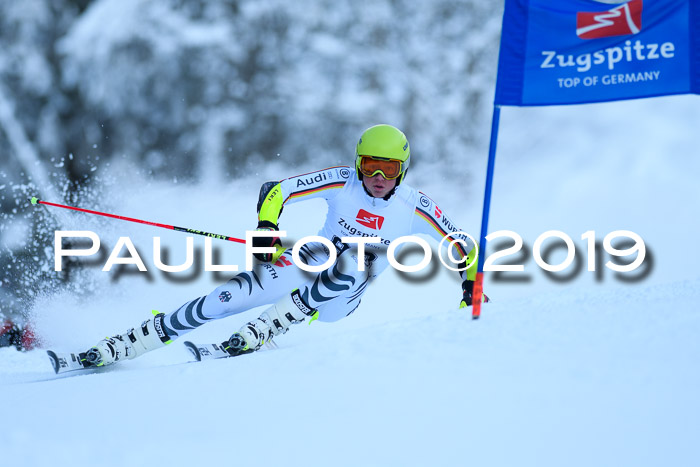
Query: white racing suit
[[337, 291]]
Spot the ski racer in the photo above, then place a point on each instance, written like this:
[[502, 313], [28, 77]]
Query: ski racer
[[370, 200]]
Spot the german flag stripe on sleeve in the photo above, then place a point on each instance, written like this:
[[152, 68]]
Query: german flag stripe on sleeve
[[443, 233], [317, 171], [328, 186]]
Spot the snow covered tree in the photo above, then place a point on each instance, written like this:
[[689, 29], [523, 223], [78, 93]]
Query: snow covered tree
[[205, 90]]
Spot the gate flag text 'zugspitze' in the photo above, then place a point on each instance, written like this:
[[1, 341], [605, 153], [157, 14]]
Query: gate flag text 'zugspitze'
[[578, 51]]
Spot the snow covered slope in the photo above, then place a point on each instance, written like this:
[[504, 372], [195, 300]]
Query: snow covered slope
[[596, 378]]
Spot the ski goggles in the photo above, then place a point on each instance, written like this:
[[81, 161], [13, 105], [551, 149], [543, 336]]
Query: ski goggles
[[389, 168]]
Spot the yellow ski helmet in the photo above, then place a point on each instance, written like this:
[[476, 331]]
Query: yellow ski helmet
[[383, 149]]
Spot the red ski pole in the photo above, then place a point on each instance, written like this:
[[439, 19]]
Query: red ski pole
[[35, 201]]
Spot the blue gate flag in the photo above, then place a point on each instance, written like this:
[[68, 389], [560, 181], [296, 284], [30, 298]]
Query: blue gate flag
[[579, 51]]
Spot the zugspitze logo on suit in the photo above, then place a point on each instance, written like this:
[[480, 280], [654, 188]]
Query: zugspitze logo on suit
[[619, 21], [370, 220]]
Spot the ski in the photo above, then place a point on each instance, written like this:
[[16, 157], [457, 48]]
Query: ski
[[214, 351], [210, 351], [206, 351], [64, 362]]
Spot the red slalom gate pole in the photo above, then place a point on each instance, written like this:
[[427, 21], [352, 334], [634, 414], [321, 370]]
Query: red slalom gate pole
[[479, 283], [36, 201]]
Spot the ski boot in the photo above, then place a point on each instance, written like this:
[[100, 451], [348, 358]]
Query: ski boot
[[272, 322], [135, 342]]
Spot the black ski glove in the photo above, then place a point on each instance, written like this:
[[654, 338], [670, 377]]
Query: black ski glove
[[467, 292], [268, 242]]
